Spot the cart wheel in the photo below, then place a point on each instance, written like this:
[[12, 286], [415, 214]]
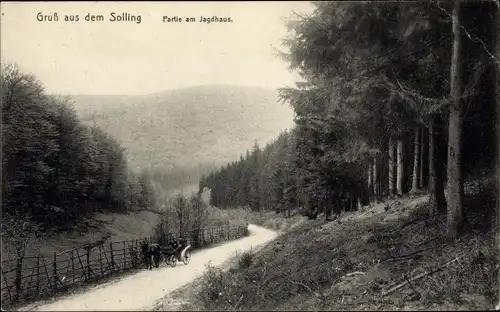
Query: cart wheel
[[187, 257], [172, 260]]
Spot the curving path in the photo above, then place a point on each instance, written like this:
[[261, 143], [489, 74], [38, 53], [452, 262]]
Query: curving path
[[140, 291]]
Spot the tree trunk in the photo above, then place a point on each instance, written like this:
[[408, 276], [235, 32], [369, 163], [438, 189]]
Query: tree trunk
[[436, 172], [399, 182], [375, 180], [497, 87], [369, 171], [370, 183], [329, 209], [391, 168], [181, 221], [416, 154], [455, 179], [289, 210], [421, 183]]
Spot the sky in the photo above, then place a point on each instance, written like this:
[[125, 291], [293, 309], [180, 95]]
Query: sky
[[129, 58]]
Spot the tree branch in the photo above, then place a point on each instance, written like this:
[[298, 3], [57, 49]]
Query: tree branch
[[470, 36], [393, 289]]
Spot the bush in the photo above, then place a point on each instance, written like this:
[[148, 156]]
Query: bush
[[190, 216], [20, 231], [420, 212], [247, 231], [215, 290], [246, 259]]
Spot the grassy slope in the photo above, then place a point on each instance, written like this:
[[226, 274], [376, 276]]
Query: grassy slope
[[313, 267], [190, 130], [119, 226]]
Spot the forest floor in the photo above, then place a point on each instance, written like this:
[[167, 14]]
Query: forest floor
[[391, 256]]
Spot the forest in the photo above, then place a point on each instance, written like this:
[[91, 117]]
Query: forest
[[397, 98], [64, 176], [55, 169]]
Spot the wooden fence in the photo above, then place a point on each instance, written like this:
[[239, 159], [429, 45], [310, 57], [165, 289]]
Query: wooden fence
[[37, 277]]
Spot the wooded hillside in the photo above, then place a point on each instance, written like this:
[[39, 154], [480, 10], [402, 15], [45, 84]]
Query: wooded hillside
[[183, 133], [55, 169], [398, 98]]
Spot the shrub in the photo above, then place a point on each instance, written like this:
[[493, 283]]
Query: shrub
[[246, 259], [215, 290], [420, 212]]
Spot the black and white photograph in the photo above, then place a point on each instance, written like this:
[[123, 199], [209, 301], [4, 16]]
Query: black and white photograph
[[250, 155]]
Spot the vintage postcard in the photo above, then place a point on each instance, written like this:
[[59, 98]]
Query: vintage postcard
[[250, 155]]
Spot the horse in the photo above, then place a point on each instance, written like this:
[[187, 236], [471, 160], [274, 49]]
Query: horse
[[151, 253], [145, 250], [155, 252]]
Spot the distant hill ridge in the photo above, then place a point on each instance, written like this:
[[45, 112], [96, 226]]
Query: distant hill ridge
[[188, 130]]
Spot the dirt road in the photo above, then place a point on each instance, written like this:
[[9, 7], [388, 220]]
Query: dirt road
[[140, 291]]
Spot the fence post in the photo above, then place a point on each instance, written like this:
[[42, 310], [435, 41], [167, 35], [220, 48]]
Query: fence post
[[73, 263], [100, 261], [38, 275], [112, 257], [19, 267], [6, 283], [137, 261], [54, 270], [124, 255], [88, 262]]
